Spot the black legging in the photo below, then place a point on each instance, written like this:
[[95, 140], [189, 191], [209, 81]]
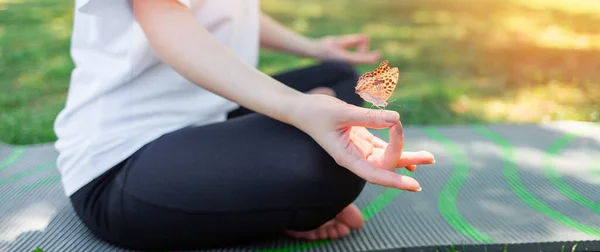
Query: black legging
[[247, 178]]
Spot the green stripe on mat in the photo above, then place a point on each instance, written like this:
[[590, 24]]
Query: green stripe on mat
[[26, 173], [511, 174], [14, 156], [447, 198], [382, 200], [30, 187], [552, 174]]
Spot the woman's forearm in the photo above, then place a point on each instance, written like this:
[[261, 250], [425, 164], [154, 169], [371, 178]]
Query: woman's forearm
[[181, 42], [277, 37]]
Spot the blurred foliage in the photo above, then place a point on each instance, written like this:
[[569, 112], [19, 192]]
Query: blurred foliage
[[461, 61], [466, 61]]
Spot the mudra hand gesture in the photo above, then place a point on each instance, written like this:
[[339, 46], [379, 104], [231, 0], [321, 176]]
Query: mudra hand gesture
[[340, 128]]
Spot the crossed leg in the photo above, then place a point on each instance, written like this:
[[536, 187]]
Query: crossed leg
[[244, 179]]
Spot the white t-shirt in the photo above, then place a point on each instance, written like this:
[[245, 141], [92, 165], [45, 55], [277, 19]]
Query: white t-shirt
[[121, 96]]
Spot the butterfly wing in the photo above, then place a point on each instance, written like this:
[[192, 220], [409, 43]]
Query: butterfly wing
[[383, 67], [390, 81], [373, 90], [378, 85]]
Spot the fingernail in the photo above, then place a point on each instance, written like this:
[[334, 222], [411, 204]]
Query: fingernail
[[399, 130], [418, 190], [429, 155], [411, 184], [392, 117]]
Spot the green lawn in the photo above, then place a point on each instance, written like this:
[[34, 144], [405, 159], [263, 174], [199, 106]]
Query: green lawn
[[461, 61]]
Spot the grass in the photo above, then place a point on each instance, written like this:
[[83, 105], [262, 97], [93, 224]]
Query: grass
[[461, 61]]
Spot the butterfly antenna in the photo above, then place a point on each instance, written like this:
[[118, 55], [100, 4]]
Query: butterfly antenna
[[370, 107], [395, 105]]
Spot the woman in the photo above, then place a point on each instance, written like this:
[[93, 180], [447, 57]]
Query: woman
[[155, 152]]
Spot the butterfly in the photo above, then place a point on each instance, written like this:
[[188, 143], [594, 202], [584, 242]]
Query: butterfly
[[378, 85]]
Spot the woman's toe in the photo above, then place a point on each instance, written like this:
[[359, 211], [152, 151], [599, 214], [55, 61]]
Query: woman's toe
[[333, 233], [342, 230]]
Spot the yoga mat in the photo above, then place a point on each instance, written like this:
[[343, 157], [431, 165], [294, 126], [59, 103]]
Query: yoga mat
[[520, 187]]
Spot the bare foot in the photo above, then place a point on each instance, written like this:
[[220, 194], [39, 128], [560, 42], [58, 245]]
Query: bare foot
[[322, 90], [349, 218]]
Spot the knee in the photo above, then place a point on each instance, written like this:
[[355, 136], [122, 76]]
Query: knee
[[327, 194], [342, 188], [343, 69], [329, 185], [346, 77]]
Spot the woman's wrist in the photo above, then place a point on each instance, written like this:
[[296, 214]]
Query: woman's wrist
[[289, 109], [308, 112], [284, 104], [313, 48], [280, 38]]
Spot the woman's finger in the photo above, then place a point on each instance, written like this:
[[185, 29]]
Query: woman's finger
[[372, 174], [362, 57], [352, 40], [393, 152], [376, 158], [362, 42], [374, 142], [362, 140], [369, 118], [362, 132], [379, 143], [414, 158], [364, 46]]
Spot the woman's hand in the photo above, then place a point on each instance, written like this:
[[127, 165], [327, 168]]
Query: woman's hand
[[337, 48], [340, 129], [275, 36]]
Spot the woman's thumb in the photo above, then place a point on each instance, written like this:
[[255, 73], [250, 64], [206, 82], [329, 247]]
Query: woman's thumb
[[370, 118]]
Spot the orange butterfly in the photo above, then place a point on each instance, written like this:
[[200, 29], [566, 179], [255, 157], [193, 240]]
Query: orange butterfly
[[378, 85]]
